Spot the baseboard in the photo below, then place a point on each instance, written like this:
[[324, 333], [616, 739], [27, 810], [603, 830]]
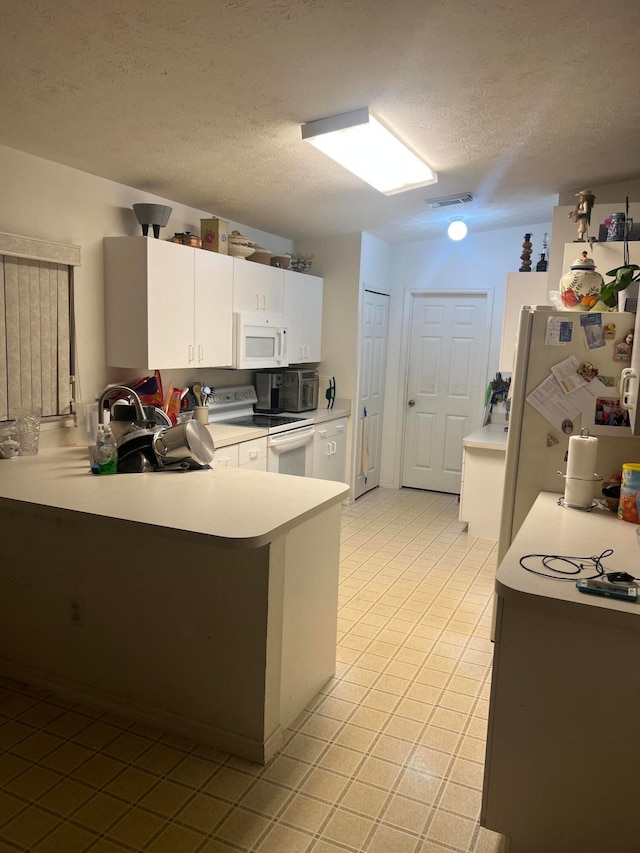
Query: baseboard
[[232, 742]]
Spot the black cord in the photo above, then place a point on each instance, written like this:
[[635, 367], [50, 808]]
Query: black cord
[[577, 564]]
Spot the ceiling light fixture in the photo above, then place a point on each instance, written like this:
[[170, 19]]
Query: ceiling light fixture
[[364, 146], [457, 229]]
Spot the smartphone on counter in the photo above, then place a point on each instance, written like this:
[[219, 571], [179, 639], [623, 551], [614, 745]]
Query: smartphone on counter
[[594, 586]]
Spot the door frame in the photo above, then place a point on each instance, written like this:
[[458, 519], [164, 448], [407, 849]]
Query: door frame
[[410, 295]]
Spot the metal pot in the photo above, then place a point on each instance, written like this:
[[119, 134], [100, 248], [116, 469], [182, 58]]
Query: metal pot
[[184, 442]]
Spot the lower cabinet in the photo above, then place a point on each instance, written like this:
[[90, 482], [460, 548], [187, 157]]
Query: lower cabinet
[[247, 454], [330, 450]]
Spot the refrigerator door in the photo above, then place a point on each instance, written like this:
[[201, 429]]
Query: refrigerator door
[[535, 447]]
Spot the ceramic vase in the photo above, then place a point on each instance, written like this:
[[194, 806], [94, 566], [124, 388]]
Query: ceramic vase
[[580, 287]]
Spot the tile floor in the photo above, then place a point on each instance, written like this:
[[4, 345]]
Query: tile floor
[[388, 759]]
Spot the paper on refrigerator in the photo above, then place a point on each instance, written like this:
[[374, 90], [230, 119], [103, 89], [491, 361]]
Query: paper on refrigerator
[[550, 401]]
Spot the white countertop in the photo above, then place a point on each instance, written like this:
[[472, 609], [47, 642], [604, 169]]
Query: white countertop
[[490, 437], [552, 529], [237, 507]]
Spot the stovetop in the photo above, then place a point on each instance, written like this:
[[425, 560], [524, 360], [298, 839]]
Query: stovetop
[[234, 407], [264, 421]]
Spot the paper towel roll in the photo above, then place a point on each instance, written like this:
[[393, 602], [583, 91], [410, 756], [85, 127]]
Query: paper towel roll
[[578, 493], [581, 462]]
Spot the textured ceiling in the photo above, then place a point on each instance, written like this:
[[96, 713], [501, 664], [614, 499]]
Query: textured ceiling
[[202, 103]]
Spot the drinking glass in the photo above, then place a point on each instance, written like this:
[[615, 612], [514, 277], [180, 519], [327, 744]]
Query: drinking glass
[[28, 429]]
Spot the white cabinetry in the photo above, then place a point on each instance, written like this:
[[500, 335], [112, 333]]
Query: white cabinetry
[[303, 312], [330, 450], [166, 305], [482, 483], [257, 287], [523, 288], [247, 454]]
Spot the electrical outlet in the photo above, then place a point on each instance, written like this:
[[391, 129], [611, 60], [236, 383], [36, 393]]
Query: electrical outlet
[[77, 612]]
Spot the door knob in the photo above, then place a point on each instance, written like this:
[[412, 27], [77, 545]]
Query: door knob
[[411, 402]]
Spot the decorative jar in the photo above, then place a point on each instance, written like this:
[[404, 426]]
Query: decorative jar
[[580, 287]]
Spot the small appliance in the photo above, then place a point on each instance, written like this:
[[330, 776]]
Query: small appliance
[[269, 387], [260, 340], [299, 392]]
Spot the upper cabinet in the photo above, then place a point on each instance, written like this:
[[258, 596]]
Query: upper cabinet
[[171, 306], [303, 312], [257, 287], [166, 305]]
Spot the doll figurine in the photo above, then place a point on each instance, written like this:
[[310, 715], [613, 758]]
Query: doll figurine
[[582, 213]]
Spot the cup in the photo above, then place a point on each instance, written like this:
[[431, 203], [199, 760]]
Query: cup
[[27, 429], [201, 413], [9, 448]]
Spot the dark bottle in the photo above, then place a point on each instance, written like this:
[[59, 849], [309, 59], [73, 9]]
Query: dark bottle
[[542, 264]]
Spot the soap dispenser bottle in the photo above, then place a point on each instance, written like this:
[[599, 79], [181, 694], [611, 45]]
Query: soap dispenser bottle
[[107, 451]]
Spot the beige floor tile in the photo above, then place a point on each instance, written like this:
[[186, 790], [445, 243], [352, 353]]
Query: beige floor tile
[[467, 773], [451, 829], [100, 812], [420, 786], [365, 799], [306, 813], [461, 800], [265, 798], [405, 814], [285, 771], [98, 770], [339, 759], [131, 784], [347, 828], [28, 827], [193, 771], [242, 827], [304, 748], [33, 783], [283, 838], [97, 734], [386, 839], [136, 828], [176, 838], [203, 812], [166, 798], [392, 749], [67, 757], [127, 746], [228, 784], [376, 771], [324, 785], [159, 759], [67, 838]]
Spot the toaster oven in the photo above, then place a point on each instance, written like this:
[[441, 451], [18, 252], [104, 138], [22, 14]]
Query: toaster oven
[[299, 390]]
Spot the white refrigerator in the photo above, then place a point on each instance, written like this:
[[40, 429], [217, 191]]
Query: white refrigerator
[[538, 433]]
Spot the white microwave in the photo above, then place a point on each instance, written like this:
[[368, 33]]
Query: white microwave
[[259, 340]]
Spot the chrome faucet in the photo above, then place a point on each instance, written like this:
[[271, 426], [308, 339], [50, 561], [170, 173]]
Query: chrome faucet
[[109, 390]]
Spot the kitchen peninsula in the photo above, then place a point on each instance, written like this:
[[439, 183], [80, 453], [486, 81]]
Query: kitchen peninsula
[[565, 691], [203, 602]]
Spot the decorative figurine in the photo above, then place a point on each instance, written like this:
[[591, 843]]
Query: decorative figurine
[[582, 214], [525, 257]]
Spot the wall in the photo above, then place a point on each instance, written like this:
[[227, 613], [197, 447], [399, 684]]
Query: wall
[[479, 262], [53, 202]]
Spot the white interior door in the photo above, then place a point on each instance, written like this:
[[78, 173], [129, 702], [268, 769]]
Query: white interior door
[[446, 383], [375, 320]]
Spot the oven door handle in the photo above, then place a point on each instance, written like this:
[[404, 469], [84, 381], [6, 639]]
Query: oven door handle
[[300, 438]]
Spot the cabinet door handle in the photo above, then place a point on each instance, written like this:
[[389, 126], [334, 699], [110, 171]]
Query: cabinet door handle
[[328, 448], [334, 447], [301, 351], [200, 353], [191, 356], [253, 454], [257, 301], [340, 428], [306, 351], [322, 433], [264, 301]]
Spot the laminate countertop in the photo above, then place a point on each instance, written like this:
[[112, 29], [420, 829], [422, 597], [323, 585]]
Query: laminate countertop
[[489, 437], [236, 507]]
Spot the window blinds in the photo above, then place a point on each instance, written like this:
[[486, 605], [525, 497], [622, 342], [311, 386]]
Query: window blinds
[[34, 336]]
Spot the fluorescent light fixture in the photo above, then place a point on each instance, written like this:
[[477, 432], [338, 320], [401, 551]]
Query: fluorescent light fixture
[[457, 230], [364, 146]]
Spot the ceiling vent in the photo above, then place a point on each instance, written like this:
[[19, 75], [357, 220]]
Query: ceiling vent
[[449, 200]]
